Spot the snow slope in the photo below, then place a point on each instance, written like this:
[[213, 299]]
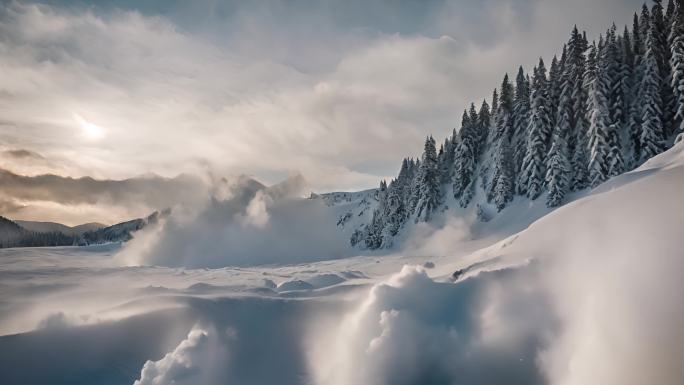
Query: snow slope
[[588, 294]]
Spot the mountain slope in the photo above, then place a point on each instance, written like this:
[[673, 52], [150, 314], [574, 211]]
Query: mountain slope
[[603, 108]]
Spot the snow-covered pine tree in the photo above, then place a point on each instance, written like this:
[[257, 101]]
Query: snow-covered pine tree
[[634, 123], [463, 158], [662, 53], [652, 139], [487, 159], [428, 187], [372, 235], [576, 139], [501, 189], [598, 86], [644, 24], [483, 126], [446, 169], [531, 180], [557, 171], [677, 63], [669, 14], [466, 157], [637, 37], [521, 120], [611, 69], [624, 84], [554, 89], [394, 214]]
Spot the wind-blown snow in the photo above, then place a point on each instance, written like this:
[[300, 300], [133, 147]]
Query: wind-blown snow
[[199, 359], [249, 224]]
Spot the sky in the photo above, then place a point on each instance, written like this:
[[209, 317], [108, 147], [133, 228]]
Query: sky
[[153, 95]]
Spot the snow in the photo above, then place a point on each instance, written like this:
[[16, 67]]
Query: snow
[[587, 294]]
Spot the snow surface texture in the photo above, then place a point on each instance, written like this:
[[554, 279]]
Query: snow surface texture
[[588, 294]]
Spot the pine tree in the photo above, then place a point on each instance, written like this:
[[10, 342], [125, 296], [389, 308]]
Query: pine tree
[[645, 24], [652, 135], [531, 179], [598, 83], [502, 185], [613, 73], [637, 37], [428, 187], [464, 157], [562, 130], [554, 89], [488, 156], [576, 138], [557, 174], [662, 54], [677, 63], [669, 14], [521, 118], [635, 109], [483, 125]]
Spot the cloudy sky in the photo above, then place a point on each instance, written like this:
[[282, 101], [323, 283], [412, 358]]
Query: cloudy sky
[[337, 91]]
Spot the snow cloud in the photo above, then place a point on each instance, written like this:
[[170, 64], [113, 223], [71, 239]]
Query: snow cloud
[[412, 329], [246, 223], [199, 359]]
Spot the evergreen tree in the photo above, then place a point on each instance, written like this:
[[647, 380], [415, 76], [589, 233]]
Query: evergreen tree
[[554, 89], [614, 74], [531, 179], [557, 174], [488, 156], [428, 187], [645, 24], [502, 185], [677, 64], [576, 138], [464, 157], [652, 136], [637, 37], [598, 83], [661, 50], [635, 111], [521, 118], [561, 173], [669, 14], [483, 125]]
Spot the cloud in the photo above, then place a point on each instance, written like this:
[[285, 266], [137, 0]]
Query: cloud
[[244, 225], [337, 92], [9, 207], [54, 195], [199, 359], [22, 154]]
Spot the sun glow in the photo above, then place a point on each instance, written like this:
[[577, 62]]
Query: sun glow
[[90, 130]]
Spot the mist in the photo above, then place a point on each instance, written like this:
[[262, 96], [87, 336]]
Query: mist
[[244, 223]]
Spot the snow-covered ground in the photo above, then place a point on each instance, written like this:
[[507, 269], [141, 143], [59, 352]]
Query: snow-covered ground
[[588, 294]]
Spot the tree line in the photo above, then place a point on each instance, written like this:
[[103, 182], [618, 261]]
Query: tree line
[[604, 107]]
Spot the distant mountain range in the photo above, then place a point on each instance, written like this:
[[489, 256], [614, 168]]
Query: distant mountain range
[[41, 234], [49, 227]]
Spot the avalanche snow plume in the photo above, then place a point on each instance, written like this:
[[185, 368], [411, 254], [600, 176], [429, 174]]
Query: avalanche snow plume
[[199, 359], [413, 330], [244, 223]]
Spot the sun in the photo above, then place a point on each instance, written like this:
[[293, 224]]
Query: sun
[[90, 130]]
